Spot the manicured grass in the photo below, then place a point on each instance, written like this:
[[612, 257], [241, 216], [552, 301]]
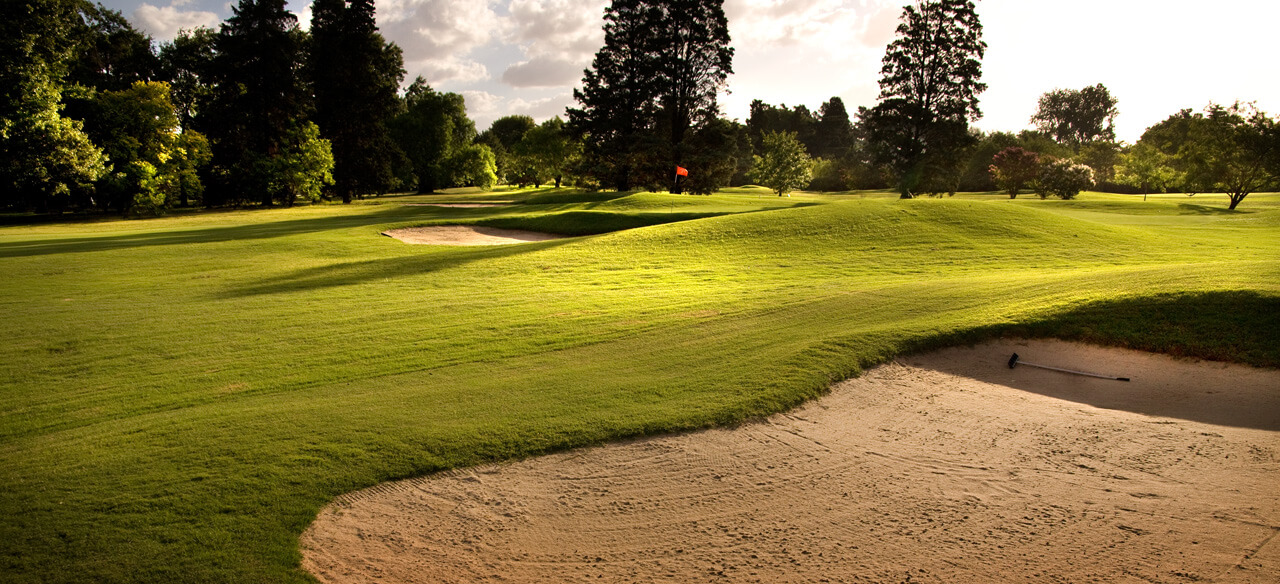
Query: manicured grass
[[182, 394]]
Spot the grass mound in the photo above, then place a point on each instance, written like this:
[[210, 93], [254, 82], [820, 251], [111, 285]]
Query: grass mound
[[183, 394]]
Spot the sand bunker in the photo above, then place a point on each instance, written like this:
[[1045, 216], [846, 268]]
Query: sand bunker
[[467, 235], [946, 467]]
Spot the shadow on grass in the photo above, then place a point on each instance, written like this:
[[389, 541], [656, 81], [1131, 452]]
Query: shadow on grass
[[1234, 326], [1193, 209], [350, 273], [204, 235]]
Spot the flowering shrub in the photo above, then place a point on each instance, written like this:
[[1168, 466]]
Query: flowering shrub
[[1063, 178]]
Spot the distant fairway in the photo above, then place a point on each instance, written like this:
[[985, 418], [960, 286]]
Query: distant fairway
[[182, 395]]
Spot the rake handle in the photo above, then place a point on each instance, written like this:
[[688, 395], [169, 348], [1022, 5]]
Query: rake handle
[[1013, 362]]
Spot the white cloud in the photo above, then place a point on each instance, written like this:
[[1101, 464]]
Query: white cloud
[[484, 107], [543, 72], [163, 23], [806, 51], [439, 36], [543, 109], [568, 29], [558, 39], [450, 69]]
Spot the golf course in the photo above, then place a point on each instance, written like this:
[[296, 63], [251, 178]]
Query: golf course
[[182, 395]]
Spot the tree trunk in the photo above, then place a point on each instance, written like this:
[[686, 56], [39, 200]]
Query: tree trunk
[[1235, 200]]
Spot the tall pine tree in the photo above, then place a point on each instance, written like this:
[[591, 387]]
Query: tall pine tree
[[258, 100], [653, 82], [355, 76], [929, 90]]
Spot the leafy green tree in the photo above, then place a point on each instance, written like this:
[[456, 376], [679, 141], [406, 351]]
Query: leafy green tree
[[473, 165], [1014, 168], [187, 63], [1227, 149], [259, 97], [302, 168], [46, 160], [109, 53], [1077, 117], [154, 163], [549, 149], [765, 118], [1102, 156], [653, 84], [1063, 178], [929, 90], [432, 129], [190, 154], [784, 166], [1145, 167], [716, 151], [501, 137], [355, 76], [1173, 137]]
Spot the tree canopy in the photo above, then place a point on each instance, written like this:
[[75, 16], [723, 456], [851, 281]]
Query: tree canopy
[[1077, 116], [929, 90], [355, 76], [783, 165], [653, 83]]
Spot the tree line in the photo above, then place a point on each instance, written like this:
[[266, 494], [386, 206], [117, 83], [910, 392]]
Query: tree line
[[260, 111], [95, 116], [917, 139]]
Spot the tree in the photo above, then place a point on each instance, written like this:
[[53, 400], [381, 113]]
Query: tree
[[109, 53], [1063, 178], [929, 90], [187, 63], [1145, 167], [355, 76], [833, 134], [1076, 117], [1226, 149], [1102, 156], [765, 118], [302, 168], [1014, 168], [432, 129], [45, 158], [653, 83], [716, 150], [784, 166], [473, 165], [549, 150], [501, 137], [259, 97]]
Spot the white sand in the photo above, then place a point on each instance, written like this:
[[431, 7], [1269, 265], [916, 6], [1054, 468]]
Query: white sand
[[467, 235], [945, 467]]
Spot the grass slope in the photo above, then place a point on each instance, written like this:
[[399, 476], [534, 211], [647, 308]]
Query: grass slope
[[181, 395]]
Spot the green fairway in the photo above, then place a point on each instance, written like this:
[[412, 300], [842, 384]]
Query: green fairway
[[181, 395]]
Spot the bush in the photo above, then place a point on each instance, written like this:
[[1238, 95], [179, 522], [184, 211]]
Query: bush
[[1063, 178], [828, 176]]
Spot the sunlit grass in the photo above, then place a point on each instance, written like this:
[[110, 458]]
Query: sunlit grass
[[182, 394]]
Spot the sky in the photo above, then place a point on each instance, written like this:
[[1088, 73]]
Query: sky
[[525, 56]]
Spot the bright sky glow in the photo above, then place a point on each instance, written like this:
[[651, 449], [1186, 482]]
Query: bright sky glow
[[525, 56]]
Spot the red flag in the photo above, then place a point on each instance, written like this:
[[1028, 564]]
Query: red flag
[[682, 171]]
